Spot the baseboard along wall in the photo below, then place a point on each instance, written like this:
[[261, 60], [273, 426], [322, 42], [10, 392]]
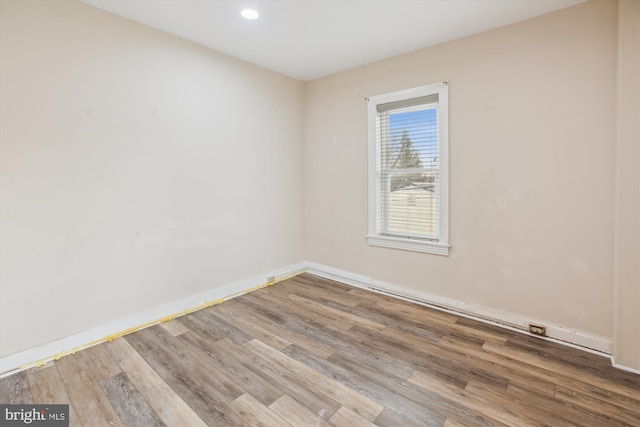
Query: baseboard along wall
[[54, 350], [564, 335]]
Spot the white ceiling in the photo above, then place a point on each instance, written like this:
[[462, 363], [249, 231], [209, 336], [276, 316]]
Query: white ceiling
[[306, 39]]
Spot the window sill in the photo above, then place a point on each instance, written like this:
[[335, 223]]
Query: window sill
[[437, 248]]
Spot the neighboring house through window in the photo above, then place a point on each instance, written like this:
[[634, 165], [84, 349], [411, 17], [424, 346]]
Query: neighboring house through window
[[408, 169]]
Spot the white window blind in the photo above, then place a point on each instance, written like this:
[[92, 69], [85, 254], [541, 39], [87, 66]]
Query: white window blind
[[408, 180]]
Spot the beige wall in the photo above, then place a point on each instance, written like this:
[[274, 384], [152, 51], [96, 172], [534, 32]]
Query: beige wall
[[627, 278], [532, 136], [137, 169]]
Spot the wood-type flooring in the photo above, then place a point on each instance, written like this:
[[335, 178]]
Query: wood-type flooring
[[312, 352]]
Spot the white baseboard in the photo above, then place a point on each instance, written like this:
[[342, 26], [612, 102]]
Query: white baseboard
[[624, 368], [40, 354], [562, 334]]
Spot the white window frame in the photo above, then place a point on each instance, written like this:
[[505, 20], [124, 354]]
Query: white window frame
[[439, 246]]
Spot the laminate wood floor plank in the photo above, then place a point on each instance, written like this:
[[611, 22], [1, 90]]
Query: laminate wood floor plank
[[439, 324], [319, 316], [587, 363], [175, 327], [350, 378], [346, 345], [472, 337], [345, 417], [389, 418], [487, 327], [254, 329], [129, 403], [560, 352], [131, 362], [187, 376], [327, 286], [227, 362], [344, 340], [450, 423], [15, 389], [47, 387], [426, 406], [416, 310], [565, 411], [394, 321], [267, 320], [193, 323], [444, 364], [506, 416], [357, 344], [588, 402], [286, 381], [92, 405], [209, 317], [100, 362], [297, 316], [533, 383], [341, 316], [294, 313], [309, 351], [538, 378], [530, 412], [254, 413], [296, 413], [171, 408], [346, 396], [322, 292], [201, 367], [563, 369], [396, 395], [371, 299]]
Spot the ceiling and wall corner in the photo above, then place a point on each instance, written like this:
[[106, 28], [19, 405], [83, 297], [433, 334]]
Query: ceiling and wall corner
[[314, 38]]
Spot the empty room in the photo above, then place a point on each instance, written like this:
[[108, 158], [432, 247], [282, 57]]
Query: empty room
[[320, 213]]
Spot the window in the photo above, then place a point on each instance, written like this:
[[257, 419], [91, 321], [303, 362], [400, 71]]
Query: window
[[408, 169]]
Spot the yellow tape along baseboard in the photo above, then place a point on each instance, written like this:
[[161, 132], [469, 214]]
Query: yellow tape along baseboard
[[163, 319]]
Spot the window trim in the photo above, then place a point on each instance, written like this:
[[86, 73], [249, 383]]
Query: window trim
[[374, 238]]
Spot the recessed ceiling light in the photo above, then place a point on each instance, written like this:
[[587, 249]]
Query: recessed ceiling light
[[249, 14]]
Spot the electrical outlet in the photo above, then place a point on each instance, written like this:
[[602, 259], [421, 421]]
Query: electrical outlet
[[538, 330]]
